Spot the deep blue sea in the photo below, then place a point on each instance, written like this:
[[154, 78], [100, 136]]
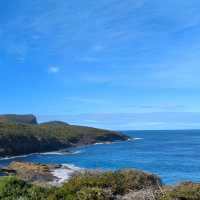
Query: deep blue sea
[[173, 155]]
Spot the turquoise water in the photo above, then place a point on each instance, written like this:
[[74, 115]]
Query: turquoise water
[[173, 155]]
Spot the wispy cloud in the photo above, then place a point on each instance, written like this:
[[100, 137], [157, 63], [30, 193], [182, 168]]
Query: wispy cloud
[[93, 54], [139, 121], [140, 56], [159, 108], [54, 69]]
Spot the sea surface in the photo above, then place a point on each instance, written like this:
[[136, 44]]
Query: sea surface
[[173, 155]]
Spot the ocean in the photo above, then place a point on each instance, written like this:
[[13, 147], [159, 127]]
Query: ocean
[[174, 155]]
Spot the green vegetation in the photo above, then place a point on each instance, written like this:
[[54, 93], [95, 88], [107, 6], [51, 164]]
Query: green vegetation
[[107, 185], [22, 134], [18, 137], [119, 185], [12, 188], [82, 186], [184, 191], [16, 119]]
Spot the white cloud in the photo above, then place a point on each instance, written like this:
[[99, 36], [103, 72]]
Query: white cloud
[[54, 69], [128, 121]]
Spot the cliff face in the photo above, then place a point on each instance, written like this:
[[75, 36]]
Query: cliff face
[[18, 119], [18, 137]]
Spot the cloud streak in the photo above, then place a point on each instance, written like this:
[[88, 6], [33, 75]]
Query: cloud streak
[[54, 69], [139, 121], [133, 56]]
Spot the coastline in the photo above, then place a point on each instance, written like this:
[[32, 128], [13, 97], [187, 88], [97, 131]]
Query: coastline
[[65, 151], [65, 171], [19, 138]]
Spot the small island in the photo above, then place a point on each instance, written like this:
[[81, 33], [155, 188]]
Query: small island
[[22, 134]]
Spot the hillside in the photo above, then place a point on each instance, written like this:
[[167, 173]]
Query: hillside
[[18, 119], [18, 137]]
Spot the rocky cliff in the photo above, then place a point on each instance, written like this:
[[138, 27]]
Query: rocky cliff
[[19, 135], [18, 119]]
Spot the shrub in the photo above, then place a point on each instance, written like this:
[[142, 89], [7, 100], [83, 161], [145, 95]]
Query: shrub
[[94, 193], [184, 191], [12, 188], [82, 186], [103, 185]]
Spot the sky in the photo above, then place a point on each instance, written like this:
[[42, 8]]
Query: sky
[[131, 64]]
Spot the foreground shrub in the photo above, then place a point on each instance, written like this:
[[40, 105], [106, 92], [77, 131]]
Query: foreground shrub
[[12, 188], [95, 185], [94, 194], [184, 191]]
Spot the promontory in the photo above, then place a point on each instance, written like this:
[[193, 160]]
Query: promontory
[[22, 134]]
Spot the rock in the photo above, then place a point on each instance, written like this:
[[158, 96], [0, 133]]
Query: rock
[[145, 194], [42, 174], [32, 172]]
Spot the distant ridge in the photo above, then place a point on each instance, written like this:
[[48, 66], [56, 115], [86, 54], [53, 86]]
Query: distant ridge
[[21, 134], [18, 119], [55, 123]]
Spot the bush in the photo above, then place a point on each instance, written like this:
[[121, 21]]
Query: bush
[[184, 191], [94, 193], [12, 188], [82, 186], [100, 186]]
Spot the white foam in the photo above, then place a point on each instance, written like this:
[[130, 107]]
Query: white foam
[[14, 157], [44, 153], [53, 153], [98, 143], [64, 173], [138, 138], [72, 167], [77, 152]]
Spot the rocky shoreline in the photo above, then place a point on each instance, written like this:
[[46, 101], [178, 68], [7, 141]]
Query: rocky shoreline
[[24, 180], [40, 174], [23, 135]]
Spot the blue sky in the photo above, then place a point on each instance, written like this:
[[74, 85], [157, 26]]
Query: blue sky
[[132, 64]]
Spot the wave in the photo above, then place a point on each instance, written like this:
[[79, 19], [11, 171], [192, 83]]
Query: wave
[[52, 153], [44, 153], [100, 143], [76, 152], [72, 167], [133, 139], [64, 173], [138, 138], [61, 152], [14, 157]]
